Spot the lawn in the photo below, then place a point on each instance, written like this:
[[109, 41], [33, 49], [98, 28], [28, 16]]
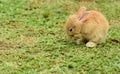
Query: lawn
[[33, 39]]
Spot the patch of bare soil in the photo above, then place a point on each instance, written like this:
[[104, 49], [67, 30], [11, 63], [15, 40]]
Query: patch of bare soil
[[7, 44], [114, 22], [29, 40]]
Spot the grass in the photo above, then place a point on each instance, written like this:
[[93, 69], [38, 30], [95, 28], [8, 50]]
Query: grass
[[33, 40]]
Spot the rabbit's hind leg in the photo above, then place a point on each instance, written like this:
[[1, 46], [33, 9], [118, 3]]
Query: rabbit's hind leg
[[91, 44]]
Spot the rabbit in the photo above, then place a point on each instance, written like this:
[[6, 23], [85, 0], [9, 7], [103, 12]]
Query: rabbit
[[87, 26]]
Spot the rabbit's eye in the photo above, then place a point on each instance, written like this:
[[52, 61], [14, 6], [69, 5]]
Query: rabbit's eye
[[70, 30]]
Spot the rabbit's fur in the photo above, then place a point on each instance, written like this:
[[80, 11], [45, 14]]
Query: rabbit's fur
[[90, 26]]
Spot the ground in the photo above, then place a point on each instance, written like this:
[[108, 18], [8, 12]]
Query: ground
[[33, 39]]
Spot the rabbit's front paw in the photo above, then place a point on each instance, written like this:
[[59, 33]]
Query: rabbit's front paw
[[90, 44], [79, 41]]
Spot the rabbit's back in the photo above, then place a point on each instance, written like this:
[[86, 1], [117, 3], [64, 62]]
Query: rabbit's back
[[95, 26]]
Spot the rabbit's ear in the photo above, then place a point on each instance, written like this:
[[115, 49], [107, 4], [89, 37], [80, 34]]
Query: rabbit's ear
[[81, 11], [84, 17]]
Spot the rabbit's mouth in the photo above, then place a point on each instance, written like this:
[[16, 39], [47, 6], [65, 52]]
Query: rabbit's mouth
[[71, 35]]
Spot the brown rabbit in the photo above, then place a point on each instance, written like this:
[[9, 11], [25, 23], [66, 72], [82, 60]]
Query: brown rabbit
[[90, 26]]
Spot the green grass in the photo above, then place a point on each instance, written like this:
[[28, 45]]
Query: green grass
[[33, 39]]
